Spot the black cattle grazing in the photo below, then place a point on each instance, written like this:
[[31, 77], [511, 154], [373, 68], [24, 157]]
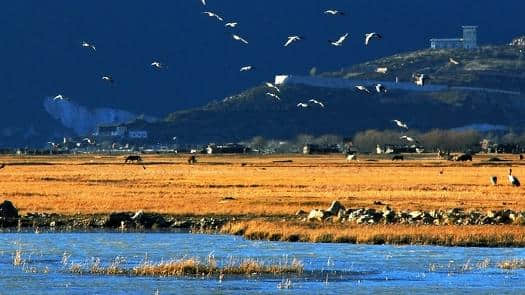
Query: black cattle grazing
[[398, 158], [2, 166], [133, 158], [192, 159], [464, 158], [521, 157]]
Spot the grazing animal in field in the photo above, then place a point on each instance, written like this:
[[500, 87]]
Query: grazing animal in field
[[398, 158], [192, 159], [494, 180], [2, 166], [463, 158], [133, 158], [521, 157], [513, 179]]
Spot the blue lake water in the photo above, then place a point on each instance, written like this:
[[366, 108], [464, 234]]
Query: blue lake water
[[329, 268]]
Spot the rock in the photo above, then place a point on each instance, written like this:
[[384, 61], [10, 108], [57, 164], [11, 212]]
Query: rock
[[138, 215], [335, 207], [8, 210], [316, 214], [300, 212], [115, 219]]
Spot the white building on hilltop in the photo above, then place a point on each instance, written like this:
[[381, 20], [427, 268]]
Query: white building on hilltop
[[469, 40]]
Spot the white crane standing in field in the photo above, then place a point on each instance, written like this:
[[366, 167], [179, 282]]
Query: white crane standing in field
[[513, 179]]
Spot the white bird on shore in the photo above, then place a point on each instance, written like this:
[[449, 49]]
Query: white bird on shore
[[273, 95], [158, 65], [60, 97], [420, 79], [317, 102], [87, 45], [340, 41], [453, 61], [292, 39], [247, 68], [302, 105], [408, 138], [380, 88], [334, 12], [108, 78], [362, 89], [271, 86], [239, 38], [370, 36], [513, 179], [400, 124], [212, 14], [231, 25]]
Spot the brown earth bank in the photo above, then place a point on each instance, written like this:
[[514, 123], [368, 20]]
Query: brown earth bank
[[423, 199]]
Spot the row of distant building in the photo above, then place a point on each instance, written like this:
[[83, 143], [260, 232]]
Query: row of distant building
[[120, 132]]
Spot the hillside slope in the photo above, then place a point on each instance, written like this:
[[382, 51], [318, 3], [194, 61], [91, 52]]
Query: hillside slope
[[253, 113]]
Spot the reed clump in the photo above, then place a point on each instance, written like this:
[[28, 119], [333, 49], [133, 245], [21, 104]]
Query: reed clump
[[191, 267], [512, 264], [398, 234]]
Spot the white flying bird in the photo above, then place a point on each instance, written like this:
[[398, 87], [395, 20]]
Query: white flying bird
[[453, 61], [302, 105], [87, 45], [158, 65], [89, 141], [203, 2], [108, 78], [408, 138], [270, 85], [273, 95], [292, 39], [362, 89], [212, 14], [239, 38], [247, 68], [231, 25], [400, 124], [60, 97], [333, 12], [370, 36], [420, 79], [340, 41], [317, 102], [54, 145], [380, 88]]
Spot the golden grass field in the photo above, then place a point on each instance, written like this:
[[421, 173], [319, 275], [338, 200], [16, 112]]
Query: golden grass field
[[259, 185]]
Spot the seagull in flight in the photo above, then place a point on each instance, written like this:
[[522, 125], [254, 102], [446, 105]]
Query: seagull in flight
[[453, 61], [239, 38], [89, 141], [158, 65], [270, 85], [333, 12], [408, 138], [108, 78], [87, 45], [247, 68], [302, 105], [340, 41], [370, 36], [380, 88], [400, 124], [212, 14], [292, 39], [203, 2], [231, 25], [60, 97], [273, 95], [317, 102], [420, 79], [362, 89]]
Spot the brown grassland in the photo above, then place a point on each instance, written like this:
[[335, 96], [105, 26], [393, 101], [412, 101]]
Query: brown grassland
[[267, 187]]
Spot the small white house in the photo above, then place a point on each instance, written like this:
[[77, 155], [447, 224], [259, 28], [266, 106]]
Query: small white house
[[138, 134]]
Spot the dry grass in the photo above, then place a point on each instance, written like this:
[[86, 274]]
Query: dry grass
[[261, 187], [191, 267], [449, 235]]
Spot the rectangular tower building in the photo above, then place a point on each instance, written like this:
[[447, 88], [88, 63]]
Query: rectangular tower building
[[470, 37]]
